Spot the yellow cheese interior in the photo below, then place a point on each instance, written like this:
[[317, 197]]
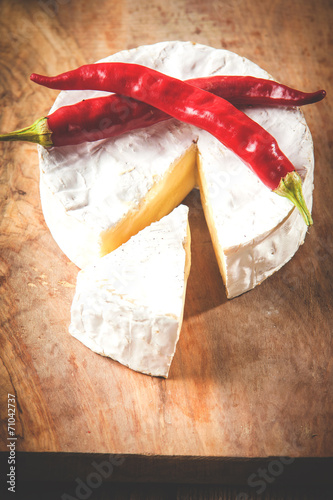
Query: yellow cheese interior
[[163, 197], [210, 220], [188, 254]]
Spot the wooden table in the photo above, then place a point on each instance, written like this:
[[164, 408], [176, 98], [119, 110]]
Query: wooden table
[[252, 377]]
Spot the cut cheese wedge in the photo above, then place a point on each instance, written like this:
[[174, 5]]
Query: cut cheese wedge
[[254, 231], [95, 196], [129, 304]]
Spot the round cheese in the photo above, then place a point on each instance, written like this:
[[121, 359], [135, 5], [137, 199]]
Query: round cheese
[[95, 196]]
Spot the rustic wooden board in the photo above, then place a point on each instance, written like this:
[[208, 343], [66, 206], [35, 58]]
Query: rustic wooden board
[[252, 377]]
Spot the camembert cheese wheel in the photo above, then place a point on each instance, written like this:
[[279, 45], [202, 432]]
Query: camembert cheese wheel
[[95, 196]]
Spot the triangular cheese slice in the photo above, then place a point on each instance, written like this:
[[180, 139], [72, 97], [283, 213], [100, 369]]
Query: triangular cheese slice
[[129, 304]]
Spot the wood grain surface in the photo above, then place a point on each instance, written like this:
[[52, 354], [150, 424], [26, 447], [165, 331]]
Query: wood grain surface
[[252, 376]]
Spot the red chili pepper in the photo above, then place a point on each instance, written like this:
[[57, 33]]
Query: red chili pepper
[[252, 91], [113, 115], [253, 144]]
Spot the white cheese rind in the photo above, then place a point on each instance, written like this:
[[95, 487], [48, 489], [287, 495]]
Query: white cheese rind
[[96, 184], [88, 188], [129, 304], [257, 230]]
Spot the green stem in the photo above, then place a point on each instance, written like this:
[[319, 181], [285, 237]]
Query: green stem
[[39, 132], [291, 187]]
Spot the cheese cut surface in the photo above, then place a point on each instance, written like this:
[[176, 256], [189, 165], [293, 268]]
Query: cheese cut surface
[[129, 304], [96, 195]]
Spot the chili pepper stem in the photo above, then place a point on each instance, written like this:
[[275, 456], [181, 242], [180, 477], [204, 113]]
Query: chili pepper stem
[[39, 132], [291, 187]]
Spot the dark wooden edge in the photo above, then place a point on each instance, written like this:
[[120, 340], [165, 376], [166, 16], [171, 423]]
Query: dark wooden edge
[[79, 468], [166, 491]]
